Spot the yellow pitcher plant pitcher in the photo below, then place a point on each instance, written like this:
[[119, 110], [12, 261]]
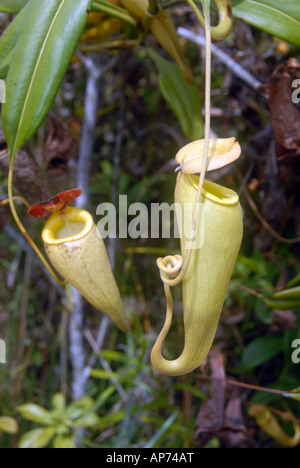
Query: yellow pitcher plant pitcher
[[207, 262], [78, 253]]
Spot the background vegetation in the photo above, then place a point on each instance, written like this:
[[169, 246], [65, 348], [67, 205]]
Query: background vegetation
[[136, 135]]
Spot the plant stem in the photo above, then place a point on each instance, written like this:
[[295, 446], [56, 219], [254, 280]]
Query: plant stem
[[24, 232], [15, 198], [207, 102], [205, 3]]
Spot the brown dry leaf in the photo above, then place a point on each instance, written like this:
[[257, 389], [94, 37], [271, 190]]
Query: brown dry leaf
[[284, 115], [210, 418], [60, 147], [27, 179], [234, 430], [221, 414]]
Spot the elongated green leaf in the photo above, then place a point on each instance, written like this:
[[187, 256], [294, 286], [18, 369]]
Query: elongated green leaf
[[12, 6], [89, 420], [104, 6], [285, 299], [261, 350], [291, 293], [4, 65], [286, 304], [9, 39], [281, 304], [183, 98], [39, 62], [38, 438], [277, 17], [164, 428], [102, 374], [294, 281], [35, 413]]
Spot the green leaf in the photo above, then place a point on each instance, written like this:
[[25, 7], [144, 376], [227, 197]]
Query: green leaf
[[79, 408], [4, 65], [8, 425], [161, 432], [38, 438], [111, 355], [110, 419], [103, 374], [59, 402], [276, 17], [281, 304], [9, 38], [183, 98], [89, 420], [285, 299], [12, 6], [261, 350], [39, 63], [294, 281], [110, 9], [35, 413], [290, 294], [62, 442]]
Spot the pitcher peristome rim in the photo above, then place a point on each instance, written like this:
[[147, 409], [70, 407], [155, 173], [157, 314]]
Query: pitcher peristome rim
[[56, 222]]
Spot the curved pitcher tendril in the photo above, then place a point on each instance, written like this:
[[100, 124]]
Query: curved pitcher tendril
[[204, 162], [205, 273]]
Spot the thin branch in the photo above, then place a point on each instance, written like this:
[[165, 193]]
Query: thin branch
[[256, 388], [94, 345], [265, 224], [233, 66], [95, 71], [105, 322]]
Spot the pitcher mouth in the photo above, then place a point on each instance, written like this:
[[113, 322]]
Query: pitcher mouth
[[215, 192], [72, 225]]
